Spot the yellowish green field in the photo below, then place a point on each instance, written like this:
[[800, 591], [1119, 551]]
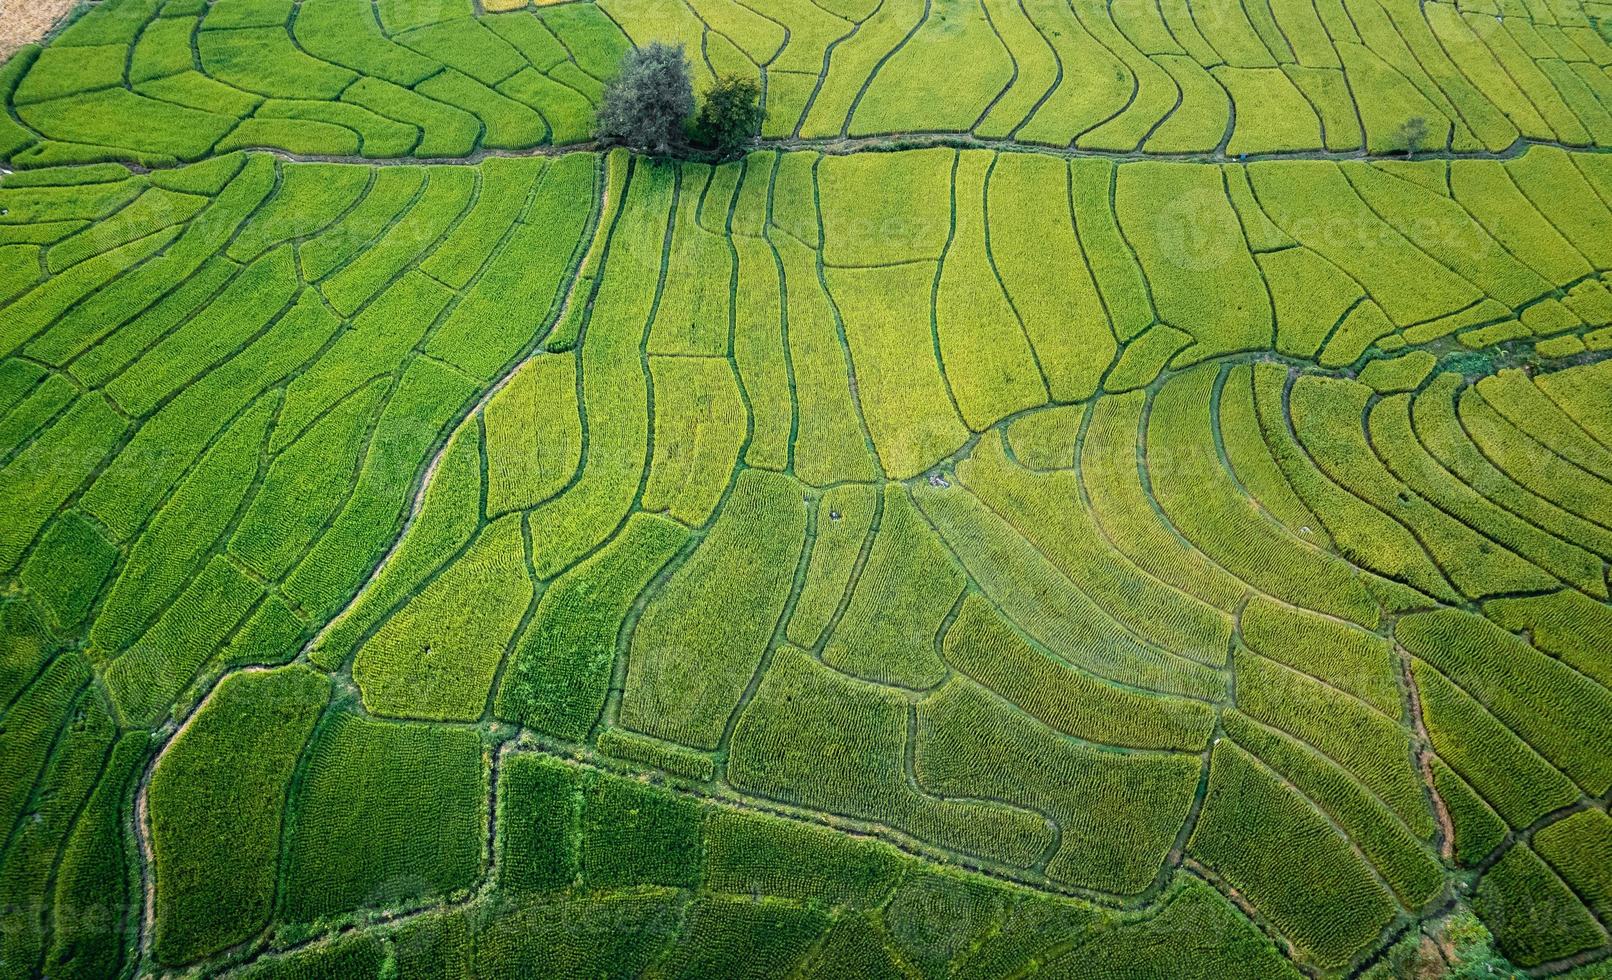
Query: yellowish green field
[[1166, 449]]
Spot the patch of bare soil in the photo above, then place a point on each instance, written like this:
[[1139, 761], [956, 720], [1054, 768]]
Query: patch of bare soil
[[24, 21]]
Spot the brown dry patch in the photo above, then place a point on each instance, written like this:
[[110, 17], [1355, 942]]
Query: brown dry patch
[[25, 21]]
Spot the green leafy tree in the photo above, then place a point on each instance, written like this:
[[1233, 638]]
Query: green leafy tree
[[730, 116], [649, 101], [1413, 133]]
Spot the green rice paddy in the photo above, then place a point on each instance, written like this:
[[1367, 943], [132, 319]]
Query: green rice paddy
[[1166, 449]]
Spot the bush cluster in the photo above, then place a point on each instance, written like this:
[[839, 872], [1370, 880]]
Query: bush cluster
[[649, 106]]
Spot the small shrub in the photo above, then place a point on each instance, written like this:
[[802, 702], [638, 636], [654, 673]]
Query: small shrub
[[730, 116], [1413, 133]]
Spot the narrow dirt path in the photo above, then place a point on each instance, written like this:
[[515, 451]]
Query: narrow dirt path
[[845, 145]]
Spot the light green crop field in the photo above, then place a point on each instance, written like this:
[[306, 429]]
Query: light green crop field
[[1167, 448]]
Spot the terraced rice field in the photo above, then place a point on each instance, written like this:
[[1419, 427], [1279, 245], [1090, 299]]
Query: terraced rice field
[[1185, 520]]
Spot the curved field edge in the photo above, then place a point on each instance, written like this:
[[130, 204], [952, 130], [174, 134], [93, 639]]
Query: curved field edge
[[1573, 441], [336, 79]]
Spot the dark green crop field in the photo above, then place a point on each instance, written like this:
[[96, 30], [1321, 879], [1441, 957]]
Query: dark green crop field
[[1165, 447]]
